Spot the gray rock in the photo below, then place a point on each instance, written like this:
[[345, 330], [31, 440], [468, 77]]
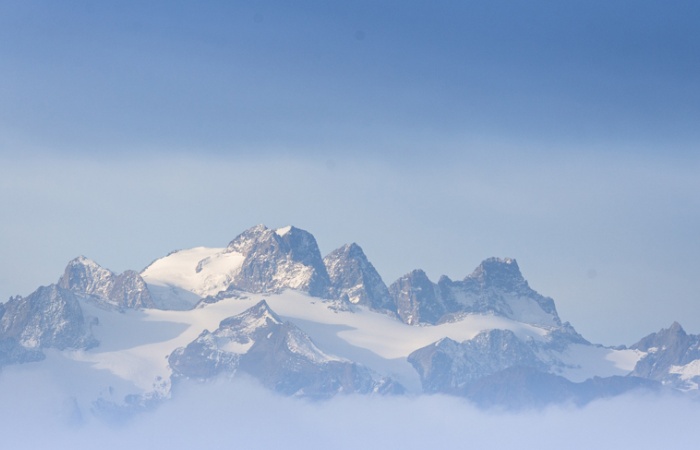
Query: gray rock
[[355, 280], [86, 278], [448, 366], [417, 299], [287, 361], [668, 349], [495, 287], [202, 359], [130, 291], [275, 261], [50, 317], [211, 353], [278, 354]]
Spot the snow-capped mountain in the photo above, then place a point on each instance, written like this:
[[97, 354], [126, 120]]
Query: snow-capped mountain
[[257, 260], [496, 286], [276, 352], [268, 306], [286, 258]]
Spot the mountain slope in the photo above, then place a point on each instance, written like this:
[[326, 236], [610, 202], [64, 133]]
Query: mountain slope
[[277, 353], [257, 260], [268, 306]]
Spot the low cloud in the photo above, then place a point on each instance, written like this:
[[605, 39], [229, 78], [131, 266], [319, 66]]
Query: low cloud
[[241, 414]]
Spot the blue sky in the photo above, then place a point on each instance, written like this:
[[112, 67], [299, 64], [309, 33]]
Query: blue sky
[[434, 134]]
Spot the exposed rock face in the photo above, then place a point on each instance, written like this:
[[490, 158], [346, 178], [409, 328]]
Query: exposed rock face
[[448, 366], [288, 362], [673, 357], [219, 352], [85, 277], [279, 259], [50, 317], [496, 287], [417, 299], [202, 359], [130, 291], [355, 280], [278, 354]]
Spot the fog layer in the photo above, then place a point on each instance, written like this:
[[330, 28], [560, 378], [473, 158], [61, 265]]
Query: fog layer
[[240, 414]]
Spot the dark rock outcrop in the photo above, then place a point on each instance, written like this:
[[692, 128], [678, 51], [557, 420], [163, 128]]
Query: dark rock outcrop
[[495, 287], [667, 352], [355, 280], [86, 278], [448, 366], [278, 354], [50, 317], [279, 259]]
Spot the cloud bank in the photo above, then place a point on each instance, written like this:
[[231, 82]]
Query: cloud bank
[[240, 414]]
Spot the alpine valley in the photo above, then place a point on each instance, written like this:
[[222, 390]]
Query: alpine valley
[[269, 307]]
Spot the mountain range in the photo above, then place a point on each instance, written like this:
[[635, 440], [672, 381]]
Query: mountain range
[[268, 306]]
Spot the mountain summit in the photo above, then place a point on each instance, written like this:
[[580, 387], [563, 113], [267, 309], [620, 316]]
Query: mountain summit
[[496, 286], [265, 260], [277, 259], [355, 280], [85, 277]]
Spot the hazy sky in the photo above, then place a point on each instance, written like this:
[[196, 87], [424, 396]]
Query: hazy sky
[[434, 134]]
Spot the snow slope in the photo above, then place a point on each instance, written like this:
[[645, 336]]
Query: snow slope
[[182, 278], [690, 373], [133, 350]]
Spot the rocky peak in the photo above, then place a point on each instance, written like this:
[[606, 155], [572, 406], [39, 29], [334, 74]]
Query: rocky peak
[[50, 317], [277, 259], [244, 242], [502, 273], [495, 287], [256, 317], [84, 276], [279, 354], [212, 353], [353, 251], [301, 245], [355, 280], [416, 299], [669, 337], [667, 352]]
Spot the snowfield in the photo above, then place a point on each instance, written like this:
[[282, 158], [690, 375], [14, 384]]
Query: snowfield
[[134, 345], [180, 279]]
